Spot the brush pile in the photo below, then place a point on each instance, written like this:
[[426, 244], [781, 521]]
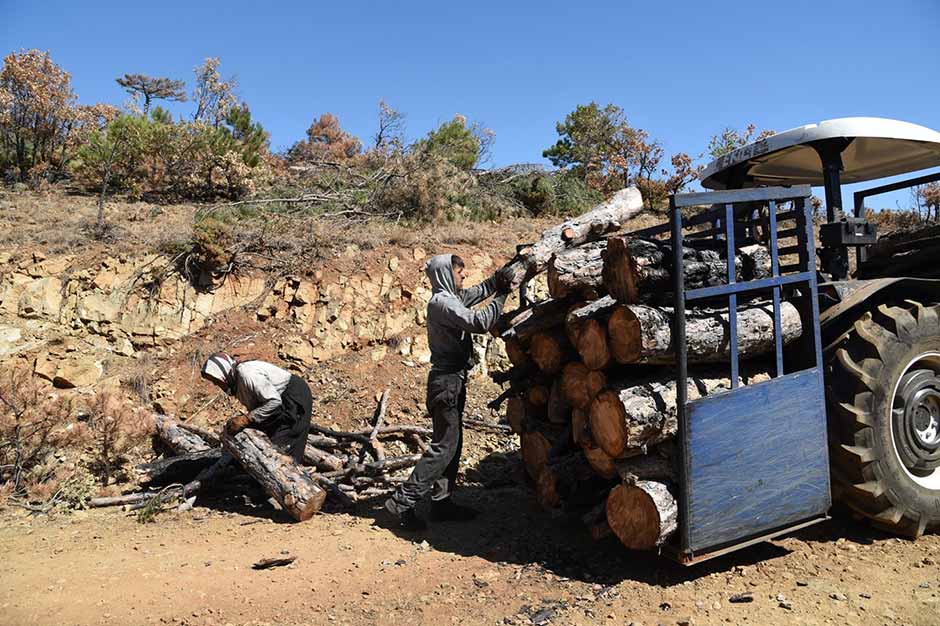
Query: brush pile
[[592, 388]]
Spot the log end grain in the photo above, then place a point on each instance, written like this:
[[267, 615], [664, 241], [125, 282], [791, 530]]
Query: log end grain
[[643, 515], [608, 423]]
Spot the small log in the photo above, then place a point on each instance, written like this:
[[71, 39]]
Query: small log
[[292, 486], [600, 461], [640, 270], [130, 498], [177, 439], [633, 414], [643, 334], [535, 447], [274, 562], [580, 385], [577, 272], [321, 459], [645, 467], [593, 225], [374, 443], [643, 516], [550, 351]]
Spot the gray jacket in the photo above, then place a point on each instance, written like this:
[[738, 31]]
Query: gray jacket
[[450, 319]]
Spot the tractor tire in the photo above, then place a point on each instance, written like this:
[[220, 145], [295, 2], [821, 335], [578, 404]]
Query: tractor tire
[[883, 391]]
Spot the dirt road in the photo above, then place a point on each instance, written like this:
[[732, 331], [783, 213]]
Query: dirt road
[[513, 566]]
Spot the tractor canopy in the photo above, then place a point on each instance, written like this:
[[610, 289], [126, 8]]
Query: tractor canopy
[[870, 148]]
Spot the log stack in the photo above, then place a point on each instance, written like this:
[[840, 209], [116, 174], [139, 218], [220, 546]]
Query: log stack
[[592, 388]]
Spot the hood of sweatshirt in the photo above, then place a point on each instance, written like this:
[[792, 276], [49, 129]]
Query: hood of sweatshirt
[[440, 272]]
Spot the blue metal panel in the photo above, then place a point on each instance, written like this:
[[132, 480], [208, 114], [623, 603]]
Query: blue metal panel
[[757, 459]]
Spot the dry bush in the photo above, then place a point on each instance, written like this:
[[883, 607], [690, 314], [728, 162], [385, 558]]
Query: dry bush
[[33, 424], [887, 221], [113, 428]]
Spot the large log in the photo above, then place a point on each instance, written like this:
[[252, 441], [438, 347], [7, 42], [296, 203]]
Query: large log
[[643, 334], [640, 270], [577, 272], [643, 515], [535, 447], [177, 439], [593, 225], [580, 385], [295, 489], [631, 414], [586, 330], [521, 324]]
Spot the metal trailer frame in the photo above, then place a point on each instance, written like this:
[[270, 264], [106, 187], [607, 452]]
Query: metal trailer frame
[[753, 460]]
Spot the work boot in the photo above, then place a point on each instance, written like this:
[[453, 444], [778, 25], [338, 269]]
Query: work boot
[[447, 510], [407, 519]]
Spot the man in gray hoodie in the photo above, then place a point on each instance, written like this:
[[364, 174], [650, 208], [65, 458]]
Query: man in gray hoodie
[[450, 322]]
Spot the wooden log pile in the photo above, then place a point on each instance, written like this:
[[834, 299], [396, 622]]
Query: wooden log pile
[[907, 252], [344, 466], [592, 388]]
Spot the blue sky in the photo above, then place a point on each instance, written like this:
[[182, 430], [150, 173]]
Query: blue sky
[[680, 70]]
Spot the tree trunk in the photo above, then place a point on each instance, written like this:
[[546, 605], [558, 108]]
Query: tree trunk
[[177, 439], [550, 351], [577, 272], [643, 334], [640, 270], [593, 225], [580, 385], [632, 414], [643, 516], [292, 486]]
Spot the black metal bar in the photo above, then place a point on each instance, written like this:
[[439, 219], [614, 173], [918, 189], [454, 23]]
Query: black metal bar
[[732, 297], [775, 271], [789, 249], [789, 267], [743, 195], [810, 268], [678, 290], [903, 184], [787, 232], [746, 287]]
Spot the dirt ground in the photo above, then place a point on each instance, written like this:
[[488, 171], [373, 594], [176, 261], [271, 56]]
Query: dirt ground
[[512, 566]]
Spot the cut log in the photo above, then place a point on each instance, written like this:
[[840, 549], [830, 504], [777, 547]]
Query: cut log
[[522, 324], [538, 395], [633, 414], [593, 225], [640, 270], [643, 334], [516, 413], [177, 439], [580, 385], [599, 309], [535, 447], [546, 488], [294, 488], [577, 272], [592, 345], [550, 351], [643, 516], [209, 436], [558, 409]]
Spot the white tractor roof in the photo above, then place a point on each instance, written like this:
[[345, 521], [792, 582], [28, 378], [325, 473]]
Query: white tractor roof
[[879, 148]]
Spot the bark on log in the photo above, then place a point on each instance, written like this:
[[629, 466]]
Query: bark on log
[[580, 385], [178, 469], [632, 414], [292, 486], [640, 270], [577, 272], [643, 334], [177, 439], [643, 516], [550, 351], [645, 467], [593, 225], [210, 437]]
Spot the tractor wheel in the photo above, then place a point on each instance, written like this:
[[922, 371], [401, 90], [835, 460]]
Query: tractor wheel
[[884, 418]]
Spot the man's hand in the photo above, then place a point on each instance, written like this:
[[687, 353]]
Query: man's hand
[[236, 425], [503, 278]]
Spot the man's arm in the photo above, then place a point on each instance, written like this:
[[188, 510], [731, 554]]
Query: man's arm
[[466, 319], [267, 396], [478, 293]]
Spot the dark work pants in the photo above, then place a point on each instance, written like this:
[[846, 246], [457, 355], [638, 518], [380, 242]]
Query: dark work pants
[[436, 472], [289, 427]]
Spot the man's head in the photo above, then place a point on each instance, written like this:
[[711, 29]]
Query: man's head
[[458, 266], [219, 369]]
